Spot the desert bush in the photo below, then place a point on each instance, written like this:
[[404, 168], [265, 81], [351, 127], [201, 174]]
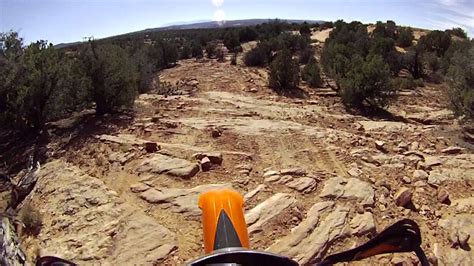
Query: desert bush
[[459, 32], [419, 82], [284, 72], [413, 62], [305, 55], [305, 29], [31, 219], [367, 83], [247, 34], [231, 41], [196, 49], [186, 51], [111, 74], [211, 49], [220, 55], [405, 37], [435, 41], [460, 77], [312, 74], [404, 83], [233, 60], [255, 57]]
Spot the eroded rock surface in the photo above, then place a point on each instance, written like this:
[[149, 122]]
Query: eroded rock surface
[[348, 188], [86, 222]]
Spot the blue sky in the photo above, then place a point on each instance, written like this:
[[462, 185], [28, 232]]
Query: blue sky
[[71, 20]]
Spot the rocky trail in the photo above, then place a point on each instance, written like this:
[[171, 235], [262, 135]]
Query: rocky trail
[[316, 179]]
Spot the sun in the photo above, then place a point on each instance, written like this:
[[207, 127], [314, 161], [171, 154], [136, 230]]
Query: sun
[[219, 15]]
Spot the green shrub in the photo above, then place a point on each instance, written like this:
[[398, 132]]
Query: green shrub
[[305, 55], [255, 57], [312, 74], [367, 83], [404, 83], [185, 52], [459, 32], [233, 60], [113, 84], [211, 49], [305, 29], [419, 82], [220, 55], [405, 37], [460, 77], [196, 49], [284, 72]]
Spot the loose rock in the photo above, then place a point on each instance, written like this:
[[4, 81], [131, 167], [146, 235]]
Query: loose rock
[[452, 150], [403, 197], [420, 175], [163, 164], [151, 147], [303, 184], [205, 164], [443, 196], [293, 172], [362, 224]]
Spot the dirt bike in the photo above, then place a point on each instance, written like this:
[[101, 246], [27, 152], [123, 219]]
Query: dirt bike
[[226, 240]]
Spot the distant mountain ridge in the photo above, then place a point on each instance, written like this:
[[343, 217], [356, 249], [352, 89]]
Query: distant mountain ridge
[[204, 25]]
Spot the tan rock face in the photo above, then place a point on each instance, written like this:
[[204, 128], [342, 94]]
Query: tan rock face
[[349, 188], [159, 163], [179, 200], [86, 222], [257, 217], [307, 242]]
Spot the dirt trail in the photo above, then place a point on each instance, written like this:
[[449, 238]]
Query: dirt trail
[[322, 157]]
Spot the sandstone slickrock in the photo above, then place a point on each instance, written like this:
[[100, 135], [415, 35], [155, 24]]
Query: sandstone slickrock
[[303, 184], [264, 212], [349, 188], [86, 222], [139, 187], [180, 200], [254, 192], [403, 197], [464, 204], [354, 172], [362, 224], [270, 173], [454, 168], [160, 164], [450, 256], [308, 241]]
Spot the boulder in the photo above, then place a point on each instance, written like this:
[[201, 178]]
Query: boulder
[[349, 188], [443, 196], [403, 197], [452, 150], [380, 145], [214, 157], [164, 164], [264, 212], [179, 200], [151, 147], [205, 164], [420, 175]]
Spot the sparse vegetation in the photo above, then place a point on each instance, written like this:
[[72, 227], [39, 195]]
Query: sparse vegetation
[[305, 55], [461, 80], [31, 219], [312, 74], [405, 37], [211, 49], [284, 72], [256, 57], [367, 83], [112, 83]]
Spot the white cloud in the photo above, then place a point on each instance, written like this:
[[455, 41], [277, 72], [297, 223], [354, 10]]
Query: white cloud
[[219, 15], [217, 3]]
